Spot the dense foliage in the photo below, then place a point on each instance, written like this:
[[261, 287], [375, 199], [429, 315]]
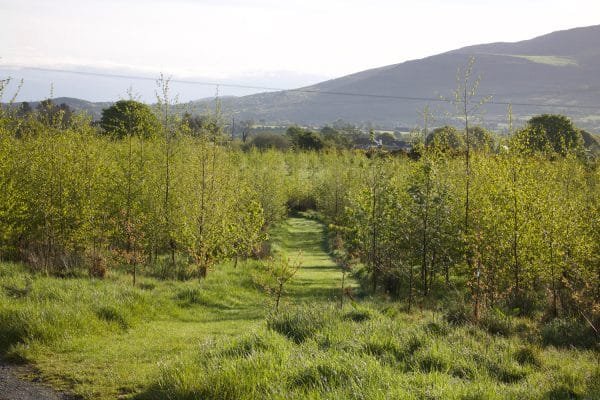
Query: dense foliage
[[75, 199], [182, 200], [129, 117], [179, 196]]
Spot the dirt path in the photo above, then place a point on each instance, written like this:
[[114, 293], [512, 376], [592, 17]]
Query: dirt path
[[12, 387]]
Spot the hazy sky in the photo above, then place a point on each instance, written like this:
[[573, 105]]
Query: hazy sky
[[244, 39]]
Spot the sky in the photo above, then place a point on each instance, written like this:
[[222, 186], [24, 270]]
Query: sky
[[276, 43]]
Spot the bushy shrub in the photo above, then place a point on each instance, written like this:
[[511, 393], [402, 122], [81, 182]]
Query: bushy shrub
[[97, 266], [265, 141]]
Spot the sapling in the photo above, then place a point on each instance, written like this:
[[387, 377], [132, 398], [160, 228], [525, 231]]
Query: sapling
[[346, 267], [464, 97], [280, 270]]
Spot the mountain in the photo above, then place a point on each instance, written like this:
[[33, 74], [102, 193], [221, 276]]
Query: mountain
[[561, 68], [557, 69]]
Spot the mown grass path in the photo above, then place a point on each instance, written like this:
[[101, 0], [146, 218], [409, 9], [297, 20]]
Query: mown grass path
[[319, 278], [120, 363]]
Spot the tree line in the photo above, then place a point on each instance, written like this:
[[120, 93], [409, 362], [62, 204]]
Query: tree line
[[532, 239], [173, 195]]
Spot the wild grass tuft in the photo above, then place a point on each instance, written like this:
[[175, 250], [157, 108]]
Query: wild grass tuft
[[110, 313], [301, 323], [529, 355], [497, 323], [359, 315]]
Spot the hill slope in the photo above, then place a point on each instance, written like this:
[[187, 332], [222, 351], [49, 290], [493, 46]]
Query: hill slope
[[559, 68]]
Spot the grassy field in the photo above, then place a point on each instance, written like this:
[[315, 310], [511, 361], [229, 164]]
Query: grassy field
[[218, 339], [104, 338]]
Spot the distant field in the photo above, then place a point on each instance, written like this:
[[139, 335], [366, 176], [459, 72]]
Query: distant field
[[549, 60]]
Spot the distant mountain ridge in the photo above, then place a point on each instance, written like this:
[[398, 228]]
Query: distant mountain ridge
[[560, 68], [576, 41]]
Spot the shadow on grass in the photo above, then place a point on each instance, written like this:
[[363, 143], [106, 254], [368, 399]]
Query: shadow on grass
[[246, 316], [302, 235], [312, 293]]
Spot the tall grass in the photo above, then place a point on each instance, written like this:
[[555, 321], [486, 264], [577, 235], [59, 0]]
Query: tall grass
[[321, 354], [46, 310], [41, 309]]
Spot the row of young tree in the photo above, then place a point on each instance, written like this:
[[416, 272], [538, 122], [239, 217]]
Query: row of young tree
[[515, 223], [525, 235], [141, 189]]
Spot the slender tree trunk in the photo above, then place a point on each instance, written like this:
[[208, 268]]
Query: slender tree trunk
[[425, 237], [432, 269], [278, 298], [342, 292], [374, 256], [410, 289], [168, 167], [201, 219], [478, 292], [554, 285], [469, 251], [172, 246], [467, 167], [515, 246]]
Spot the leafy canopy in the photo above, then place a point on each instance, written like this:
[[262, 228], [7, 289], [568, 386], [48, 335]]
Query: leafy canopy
[[445, 139], [305, 139], [550, 133], [129, 117]]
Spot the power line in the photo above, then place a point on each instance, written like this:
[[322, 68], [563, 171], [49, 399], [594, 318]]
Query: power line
[[311, 91]]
